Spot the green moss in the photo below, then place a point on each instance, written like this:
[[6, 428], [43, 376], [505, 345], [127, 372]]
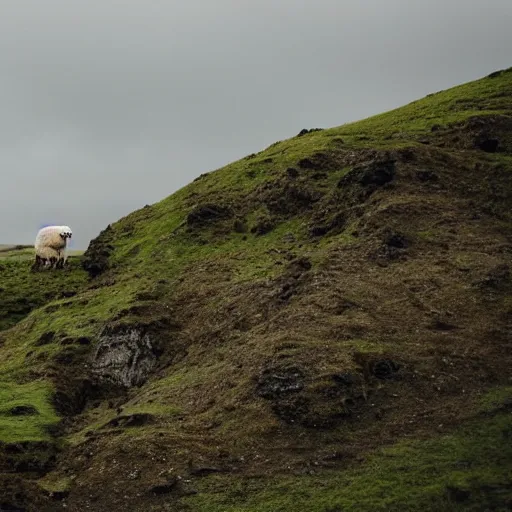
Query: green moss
[[22, 291], [26, 427], [101, 418], [495, 399], [479, 98], [469, 469], [55, 483]]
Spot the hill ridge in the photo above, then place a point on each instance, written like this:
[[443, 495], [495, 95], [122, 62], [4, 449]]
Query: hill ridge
[[277, 322]]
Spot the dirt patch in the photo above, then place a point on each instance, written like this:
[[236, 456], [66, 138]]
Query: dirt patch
[[321, 403], [264, 224], [498, 278], [334, 225], [19, 494], [284, 199], [320, 162], [490, 134], [385, 369], [373, 175], [427, 175], [24, 410], [207, 214], [131, 420], [73, 391], [167, 487], [45, 339], [488, 145], [27, 457], [294, 277], [393, 247]]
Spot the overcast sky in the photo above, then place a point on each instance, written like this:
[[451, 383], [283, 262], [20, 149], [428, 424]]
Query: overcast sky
[[107, 105]]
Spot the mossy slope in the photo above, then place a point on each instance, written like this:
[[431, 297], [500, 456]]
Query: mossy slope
[[337, 292]]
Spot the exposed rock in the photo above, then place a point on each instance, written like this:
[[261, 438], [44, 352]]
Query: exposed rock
[[305, 131], [124, 358], [276, 381], [96, 258], [322, 404]]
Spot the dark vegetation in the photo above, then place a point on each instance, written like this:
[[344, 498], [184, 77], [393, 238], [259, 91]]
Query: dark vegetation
[[322, 326]]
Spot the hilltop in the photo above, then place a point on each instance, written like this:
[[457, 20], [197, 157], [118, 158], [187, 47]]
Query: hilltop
[[320, 326]]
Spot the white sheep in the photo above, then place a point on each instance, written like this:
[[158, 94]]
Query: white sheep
[[50, 246]]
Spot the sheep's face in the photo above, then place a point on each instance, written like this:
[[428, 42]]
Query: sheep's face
[[66, 234]]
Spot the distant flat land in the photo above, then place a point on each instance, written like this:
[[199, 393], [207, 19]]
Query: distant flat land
[[10, 251]]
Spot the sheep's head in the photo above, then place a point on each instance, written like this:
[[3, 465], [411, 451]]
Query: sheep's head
[[66, 232]]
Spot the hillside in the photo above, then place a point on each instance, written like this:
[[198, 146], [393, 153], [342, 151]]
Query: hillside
[[321, 326]]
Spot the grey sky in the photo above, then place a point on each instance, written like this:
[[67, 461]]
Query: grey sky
[[108, 105]]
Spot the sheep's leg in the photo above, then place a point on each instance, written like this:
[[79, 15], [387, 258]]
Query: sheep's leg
[[37, 264], [59, 263], [40, 262]]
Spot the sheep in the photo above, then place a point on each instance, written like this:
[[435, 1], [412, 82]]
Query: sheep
[[50, 246]]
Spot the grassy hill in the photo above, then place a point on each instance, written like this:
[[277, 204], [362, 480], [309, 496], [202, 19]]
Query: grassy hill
[[22, 291], [320, 326]]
